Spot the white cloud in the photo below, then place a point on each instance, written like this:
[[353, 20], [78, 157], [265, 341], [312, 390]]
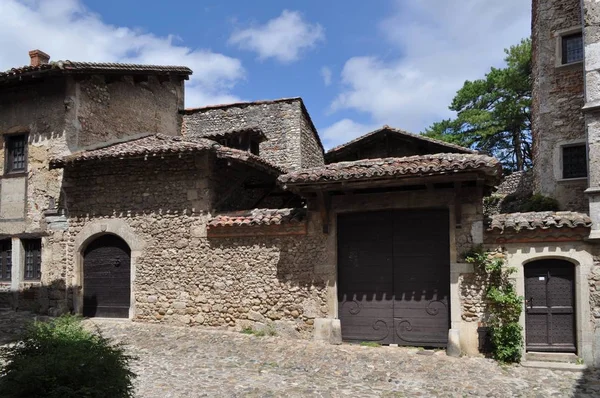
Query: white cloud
[[283, 38], [65, 29], [442, 44], [326, 75], [343, 131]]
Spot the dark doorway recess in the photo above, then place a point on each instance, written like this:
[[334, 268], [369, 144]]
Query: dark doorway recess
[[394, 277], [107, 278], [550, 306]]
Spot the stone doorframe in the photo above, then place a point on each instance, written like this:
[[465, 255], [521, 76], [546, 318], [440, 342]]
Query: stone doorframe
[[519, 256], [325, 328], [90, 232]]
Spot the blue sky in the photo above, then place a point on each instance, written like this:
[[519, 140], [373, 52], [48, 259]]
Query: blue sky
[[357, 64]]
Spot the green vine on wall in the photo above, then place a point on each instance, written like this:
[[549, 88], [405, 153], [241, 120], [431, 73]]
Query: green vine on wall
[[503, 304]]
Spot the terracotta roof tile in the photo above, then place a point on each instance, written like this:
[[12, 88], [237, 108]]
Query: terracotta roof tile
[[368, 169], [403, 133], [158, 144], [258, 217], [539, 220], [92, 67]]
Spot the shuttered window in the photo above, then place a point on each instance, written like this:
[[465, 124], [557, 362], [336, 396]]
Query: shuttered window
[[16, 153], [5, 260], [33, 259]]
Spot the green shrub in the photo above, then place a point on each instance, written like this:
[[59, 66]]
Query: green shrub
[[540, 202], [61, 359], [504, 306]]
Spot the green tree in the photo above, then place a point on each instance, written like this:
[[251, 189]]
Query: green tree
[[494, 113]]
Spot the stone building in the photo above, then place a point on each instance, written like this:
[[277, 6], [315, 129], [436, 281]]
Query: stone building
[[116, 201], [556, 254]]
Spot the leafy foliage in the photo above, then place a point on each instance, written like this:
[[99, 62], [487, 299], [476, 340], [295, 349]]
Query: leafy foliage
[[493, 113], [504, 305], [62, 359], [539, 202]]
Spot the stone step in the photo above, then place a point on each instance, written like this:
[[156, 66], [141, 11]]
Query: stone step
[[551, 357], [554, 366]]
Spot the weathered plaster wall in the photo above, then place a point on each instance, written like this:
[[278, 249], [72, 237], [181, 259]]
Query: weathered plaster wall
[[288, 143], [104, 109], [38, 110], [557, 102]]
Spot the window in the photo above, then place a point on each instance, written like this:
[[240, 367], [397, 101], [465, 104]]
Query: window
[[574, 161], [16, 156], [5, 260], [33, 259], [572, 48]]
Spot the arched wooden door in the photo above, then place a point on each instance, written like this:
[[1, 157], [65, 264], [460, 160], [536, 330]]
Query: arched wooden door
[[550, 306], [107, 278]]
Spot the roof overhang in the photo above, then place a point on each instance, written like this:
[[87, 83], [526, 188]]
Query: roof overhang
[[395, 172], [157, 146]]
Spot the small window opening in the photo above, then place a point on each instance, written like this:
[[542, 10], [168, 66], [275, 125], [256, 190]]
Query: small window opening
[[574, 161], [33, 259], [572, 48], [16, 155]]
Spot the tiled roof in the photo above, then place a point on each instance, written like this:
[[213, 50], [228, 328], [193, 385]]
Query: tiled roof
[[92, 67], [403, 133], [258, 217], [159, 144], [369, 169], [539, 220]]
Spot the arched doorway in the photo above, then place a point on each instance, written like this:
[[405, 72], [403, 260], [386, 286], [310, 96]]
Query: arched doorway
[[107, 278], [550, 306]]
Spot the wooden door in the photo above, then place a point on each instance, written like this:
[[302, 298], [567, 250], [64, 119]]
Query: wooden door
[[107, 278], [421, 277], [394, 277], [550, 306], [365, 280]]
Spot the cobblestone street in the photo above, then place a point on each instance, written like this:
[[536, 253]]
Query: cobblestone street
[[194, 362]]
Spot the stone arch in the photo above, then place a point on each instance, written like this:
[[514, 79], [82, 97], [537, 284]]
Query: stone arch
[[519, 256], [90, 232]]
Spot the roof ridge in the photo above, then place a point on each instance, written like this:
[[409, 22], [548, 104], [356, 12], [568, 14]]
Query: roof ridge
[[386, 127], [240, 104]]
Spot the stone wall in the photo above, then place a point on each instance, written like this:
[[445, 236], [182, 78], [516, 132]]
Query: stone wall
[[103, 109], [591, 35], [182, 276], [289, 143], [557, 102], [310, 146]]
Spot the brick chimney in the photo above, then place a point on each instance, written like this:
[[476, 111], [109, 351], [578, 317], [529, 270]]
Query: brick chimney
[[38, 57]]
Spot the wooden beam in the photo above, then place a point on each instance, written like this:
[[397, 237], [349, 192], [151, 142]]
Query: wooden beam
[[324, 209]]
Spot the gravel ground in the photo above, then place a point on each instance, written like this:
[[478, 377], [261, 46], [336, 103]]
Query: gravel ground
[[196, 362]]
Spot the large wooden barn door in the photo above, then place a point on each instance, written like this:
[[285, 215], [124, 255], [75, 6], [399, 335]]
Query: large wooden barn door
[[107, 278], [549, 309], [394, 277]]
